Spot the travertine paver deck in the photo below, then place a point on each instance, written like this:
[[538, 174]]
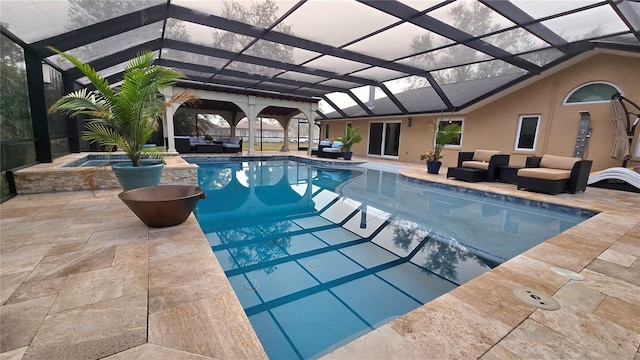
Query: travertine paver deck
[[82, 277]]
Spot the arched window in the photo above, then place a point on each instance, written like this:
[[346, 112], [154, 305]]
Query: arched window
[[591, 93]]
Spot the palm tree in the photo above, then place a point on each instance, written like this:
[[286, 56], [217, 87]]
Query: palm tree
[[442, 136], [124, 117], [351, 138]]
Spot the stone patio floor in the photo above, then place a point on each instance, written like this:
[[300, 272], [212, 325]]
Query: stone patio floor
[[82, 278]]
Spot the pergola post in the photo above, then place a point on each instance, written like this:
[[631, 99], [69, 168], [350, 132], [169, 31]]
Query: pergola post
[[39, 119], [251, 117], [168, 120], [309, 114]]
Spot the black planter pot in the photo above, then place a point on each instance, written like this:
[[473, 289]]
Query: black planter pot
[[433, 167], [347, 155]]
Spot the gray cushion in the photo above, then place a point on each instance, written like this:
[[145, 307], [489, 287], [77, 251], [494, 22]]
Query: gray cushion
[[332, 150]]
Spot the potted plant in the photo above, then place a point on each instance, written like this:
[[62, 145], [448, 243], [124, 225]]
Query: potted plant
[[442, 137], [208, 139], [126, 117], [348, 140]]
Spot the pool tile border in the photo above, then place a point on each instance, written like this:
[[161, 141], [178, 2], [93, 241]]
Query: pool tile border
[[572, 210]]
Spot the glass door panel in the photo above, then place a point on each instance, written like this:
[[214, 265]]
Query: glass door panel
[[384, 138], [375, 138], [391, 139]]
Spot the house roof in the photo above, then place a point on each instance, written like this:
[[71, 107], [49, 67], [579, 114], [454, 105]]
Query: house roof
[[426, 100], [329, 50]]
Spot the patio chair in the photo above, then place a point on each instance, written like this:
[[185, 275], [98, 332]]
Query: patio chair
[[479, 165], [183, 146], [554, 174]]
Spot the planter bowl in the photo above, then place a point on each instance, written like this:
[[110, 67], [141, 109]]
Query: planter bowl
[[163, 205]]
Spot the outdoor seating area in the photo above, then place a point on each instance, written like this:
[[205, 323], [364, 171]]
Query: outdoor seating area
[[549, 174], [328, 149], [198, 144], [479, 165]]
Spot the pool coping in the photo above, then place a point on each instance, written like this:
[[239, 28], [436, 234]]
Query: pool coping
[[483, 319], [464, 314], [48, 177]]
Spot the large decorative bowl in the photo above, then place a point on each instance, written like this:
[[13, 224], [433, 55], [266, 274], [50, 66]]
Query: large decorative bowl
[[163, 205]]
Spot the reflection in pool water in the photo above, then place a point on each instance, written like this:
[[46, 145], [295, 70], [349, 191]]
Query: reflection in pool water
[[320, 256]]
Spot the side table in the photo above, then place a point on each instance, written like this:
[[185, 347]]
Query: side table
[[508, 173]]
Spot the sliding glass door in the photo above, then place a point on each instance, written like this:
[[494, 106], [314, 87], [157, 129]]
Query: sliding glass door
[[384, 138]]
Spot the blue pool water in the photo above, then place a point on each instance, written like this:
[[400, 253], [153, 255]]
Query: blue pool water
[[319, 256], [98, 160]]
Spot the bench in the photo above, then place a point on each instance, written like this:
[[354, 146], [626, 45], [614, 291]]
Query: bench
[[554, 174], [323, 144], [334, 151]]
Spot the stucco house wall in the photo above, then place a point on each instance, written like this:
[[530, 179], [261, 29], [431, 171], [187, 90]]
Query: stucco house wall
[[494, 124]]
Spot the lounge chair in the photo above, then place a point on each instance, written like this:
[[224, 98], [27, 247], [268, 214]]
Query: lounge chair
[[554, 174], [617, 178], [479, 165]]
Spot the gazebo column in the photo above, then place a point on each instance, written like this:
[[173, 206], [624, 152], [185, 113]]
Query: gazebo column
[[168, 121], [170, 132], [309, 113], [284, 122], [251, 117], [235, 119]]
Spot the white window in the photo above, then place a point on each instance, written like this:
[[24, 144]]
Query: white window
[[527, 133], [444, 122], [593, 92]]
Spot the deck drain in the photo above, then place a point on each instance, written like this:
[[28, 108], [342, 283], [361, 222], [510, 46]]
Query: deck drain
[[250, 285], [567, 273], [536, 298], [314, 264]]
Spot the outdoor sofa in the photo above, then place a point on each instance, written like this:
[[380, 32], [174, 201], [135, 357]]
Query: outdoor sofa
[[554, 174], [334, 151], [479, 165], [231, 144], [321, 145], [190, 144]]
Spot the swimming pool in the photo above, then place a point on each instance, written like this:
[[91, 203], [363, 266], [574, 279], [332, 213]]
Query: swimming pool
[[315, 266]]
